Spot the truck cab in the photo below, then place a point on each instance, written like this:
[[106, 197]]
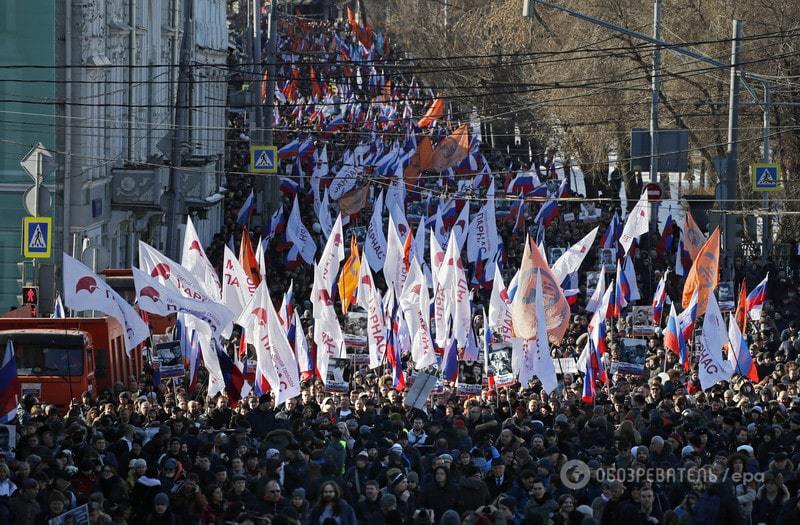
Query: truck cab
[[53, 365], [59, 359]]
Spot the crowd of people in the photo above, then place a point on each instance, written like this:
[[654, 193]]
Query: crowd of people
[[652, 448]]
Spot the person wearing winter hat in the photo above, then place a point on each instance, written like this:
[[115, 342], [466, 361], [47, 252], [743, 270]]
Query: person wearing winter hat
[[161, 513], [299, 503], [450, 517]]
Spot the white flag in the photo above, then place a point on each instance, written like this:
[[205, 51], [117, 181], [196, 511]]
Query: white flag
[[500, 308], [275, 359], [630, 276], [237, 287], [193, 258], [461, 226], [369, 298], [638, 222], [599, 291], [415, 305], [375, 242], [206, 342], [327, 331], [713, 366], [85, 290], [396, 192], [394, 269], [439, 229], [324, 215], [482, 235], [399, 217], [168, 272], [453, 284], [159, 299], [437, 258], [297, 234], [543, 367], [344, 181], [332, 256], [570, 261]]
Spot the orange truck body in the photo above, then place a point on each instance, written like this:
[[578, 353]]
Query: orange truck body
[[59, 359]]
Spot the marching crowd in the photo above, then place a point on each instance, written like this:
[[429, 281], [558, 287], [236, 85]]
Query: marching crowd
[[652, 448]]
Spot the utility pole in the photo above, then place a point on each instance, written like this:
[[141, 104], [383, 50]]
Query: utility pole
[[730, 183], [257, 67], [183, 96], [766, 220], [267, 186], [655, 82]]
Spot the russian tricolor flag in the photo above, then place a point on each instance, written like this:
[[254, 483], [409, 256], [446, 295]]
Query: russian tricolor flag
[[487, 348], [289, 187], [306, 149], [10, 391], [659, 298], [572, 296], [523, 184], [665, 242], [674, 339], [393, 352], [547, 213], [450, 362], [290, 150], [247, 209], [589, 390], [235, 385], [621, 292], [756, 298], [688, 317], [741, 353], [612, 233], [336, 124]]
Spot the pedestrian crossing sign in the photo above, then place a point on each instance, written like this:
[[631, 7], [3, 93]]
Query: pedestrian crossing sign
[[37, 237], [766, 177], [263, 159]]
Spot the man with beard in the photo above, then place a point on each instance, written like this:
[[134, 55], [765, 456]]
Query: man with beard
[[331, 506]]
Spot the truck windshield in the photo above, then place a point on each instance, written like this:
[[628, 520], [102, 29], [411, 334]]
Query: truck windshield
[[36, 360]]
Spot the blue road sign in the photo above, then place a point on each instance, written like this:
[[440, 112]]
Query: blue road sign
[[766, 177], [37, 237], [263, 159]]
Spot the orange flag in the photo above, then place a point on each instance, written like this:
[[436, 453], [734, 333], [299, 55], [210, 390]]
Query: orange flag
[[741, 308], [704, 274], [523, 308], [348, 280], [407, 245], [247, 258], [693, 237], [354, 201], [420, 161], [452, 149], [435, 112]]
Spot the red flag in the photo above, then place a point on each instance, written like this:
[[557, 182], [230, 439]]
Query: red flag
[[247, 258], [741, 308]]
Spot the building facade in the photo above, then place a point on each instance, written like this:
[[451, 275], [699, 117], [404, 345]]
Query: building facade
[[115, 116]]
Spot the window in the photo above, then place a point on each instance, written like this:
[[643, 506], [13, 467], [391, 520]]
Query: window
[[35, 360]]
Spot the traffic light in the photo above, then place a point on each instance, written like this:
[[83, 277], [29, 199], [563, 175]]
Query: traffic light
[[30, 295]]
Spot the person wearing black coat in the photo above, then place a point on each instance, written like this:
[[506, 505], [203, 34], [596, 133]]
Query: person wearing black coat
[[440, 494]]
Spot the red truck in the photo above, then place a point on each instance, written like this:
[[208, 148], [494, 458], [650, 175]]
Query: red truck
[[59, 359]]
